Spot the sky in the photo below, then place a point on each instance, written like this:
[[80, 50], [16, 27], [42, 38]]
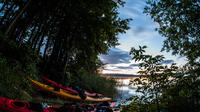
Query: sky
[[141, 32]]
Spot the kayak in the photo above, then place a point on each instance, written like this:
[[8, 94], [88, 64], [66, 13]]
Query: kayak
[[70, 89], [65, 94], [9, 105]]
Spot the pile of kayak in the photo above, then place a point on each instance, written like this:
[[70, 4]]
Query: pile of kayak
[[67, 92], [103, 104], [9, 105], [78, 90]]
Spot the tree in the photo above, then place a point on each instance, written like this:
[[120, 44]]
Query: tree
[[153, 82], [179, 23], [162, 87], [169, 88], [68, 34]]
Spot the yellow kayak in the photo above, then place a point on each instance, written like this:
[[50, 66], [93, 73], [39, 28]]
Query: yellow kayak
[[65, 94]]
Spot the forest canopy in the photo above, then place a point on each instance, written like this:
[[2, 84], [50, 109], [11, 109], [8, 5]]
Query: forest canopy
[[179, 22], [170, 88], [67, 34], [60, 39]]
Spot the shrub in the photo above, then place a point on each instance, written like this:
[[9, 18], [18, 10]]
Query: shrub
[[16, 64], [95, 83]]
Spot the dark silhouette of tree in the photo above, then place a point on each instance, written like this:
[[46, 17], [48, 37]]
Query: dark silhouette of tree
[[174, 89], [179, 23], [68, 35]]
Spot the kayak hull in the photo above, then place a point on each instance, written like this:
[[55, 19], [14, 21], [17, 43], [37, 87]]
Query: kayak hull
[[9, 105], [68, 88], [65, 94]]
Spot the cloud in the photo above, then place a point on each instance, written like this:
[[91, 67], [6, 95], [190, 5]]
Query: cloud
[[128, 13], [130, 66], [167, 62], [139, 30], [113, 70], [116, 56], [123, 67], [144, 33], [134, 65], [137, 6]]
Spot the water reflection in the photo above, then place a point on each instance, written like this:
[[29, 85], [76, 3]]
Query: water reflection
[[124, 90]]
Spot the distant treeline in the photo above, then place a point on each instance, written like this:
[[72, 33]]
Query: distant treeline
[[121, 75]]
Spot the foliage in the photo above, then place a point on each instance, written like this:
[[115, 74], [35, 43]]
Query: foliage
[[185, 94], [13, 80], [60, 39], [16, 64], [179, 23], [14, 70], [163, 88], [155, 80], [64, 32], [170, 89], [94, 83]]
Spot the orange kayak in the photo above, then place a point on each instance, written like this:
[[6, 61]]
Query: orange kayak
[[65, 94]]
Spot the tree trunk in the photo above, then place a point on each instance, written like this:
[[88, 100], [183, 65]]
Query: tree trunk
[[24, 30], [32, 32], [46, 47], [40, 43], [36, 36], [16, 18], [157, 103]]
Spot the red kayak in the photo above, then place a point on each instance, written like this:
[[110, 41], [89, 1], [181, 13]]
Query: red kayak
[[69, 89], [9, 105]]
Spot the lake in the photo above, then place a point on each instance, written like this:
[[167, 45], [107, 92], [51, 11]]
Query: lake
[[124, 90]]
